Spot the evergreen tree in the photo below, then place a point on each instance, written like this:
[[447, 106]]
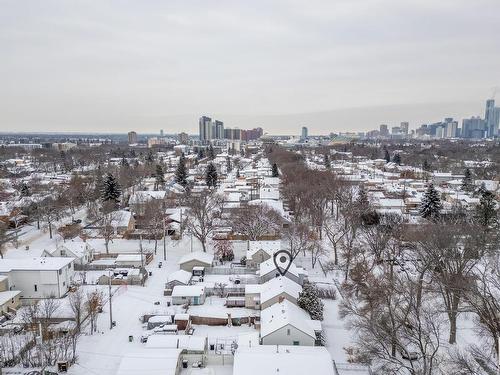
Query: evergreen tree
[[431, 204], [159, 177], [211, 175], [275, 172], [397, 158], [124, 162], [150, 158], [238, 173], [25, 190], [110, 191], [387, 156], [310, 301], [467, 181], [426, 166], [480, 190], [181, 172], [211, 152], [328, 165], [486, 210]]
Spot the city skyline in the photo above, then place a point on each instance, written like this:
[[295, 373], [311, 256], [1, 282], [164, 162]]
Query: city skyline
[[114, 66]]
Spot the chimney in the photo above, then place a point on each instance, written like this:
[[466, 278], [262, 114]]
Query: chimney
[[281, 299]]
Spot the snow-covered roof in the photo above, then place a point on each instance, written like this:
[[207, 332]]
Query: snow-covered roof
[[160, 319], [146, 195], [277, 286], [199, 256], [282, 314], [76, 247], [282, 359], [253, 288], [188, 291], [150, 361], [270, 247], [180, 275], [269, 266], [129, 257], [34, 264], [187, 342], [8, 295]]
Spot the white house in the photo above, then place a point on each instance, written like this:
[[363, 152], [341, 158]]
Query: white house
[[192, 294], [269, 192], [39, 277], [81, 251], [277, 289], [268, 271], [286, 360], [286, 324]]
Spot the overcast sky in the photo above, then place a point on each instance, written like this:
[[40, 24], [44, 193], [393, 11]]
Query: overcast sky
[[334, 65]]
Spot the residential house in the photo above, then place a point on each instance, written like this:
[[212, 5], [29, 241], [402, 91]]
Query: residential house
[[151, 361], [260, 251], [289, 360], [268, 271], [279, 289], [9, 299], [39, 277], [179, 277], [190, 294], [80, 250], [285, 323]]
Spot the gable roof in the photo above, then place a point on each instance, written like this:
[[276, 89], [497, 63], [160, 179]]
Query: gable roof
[[282, 314], [270, 247], [282, 359], [200, 256], [269, 266], [278, 285], [179, 275]]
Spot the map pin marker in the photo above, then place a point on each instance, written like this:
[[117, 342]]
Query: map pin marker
[[282, 260]]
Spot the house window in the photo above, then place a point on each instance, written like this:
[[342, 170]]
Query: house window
[[36, 288], [296, 343], [60, 272], [288, 332]]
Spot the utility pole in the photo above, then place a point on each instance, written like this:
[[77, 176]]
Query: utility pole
[[110, 304], [164, 240], [140, 247]]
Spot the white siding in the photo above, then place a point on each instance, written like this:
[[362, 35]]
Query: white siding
[[281, 337]]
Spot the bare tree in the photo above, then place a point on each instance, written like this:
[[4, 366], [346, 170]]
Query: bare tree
[[299, 238], [154, 215], [3, 237], [203, 210], [256, 221], [77, 304], [93, 306], [453, 250], [483, 296], [108, 224]]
